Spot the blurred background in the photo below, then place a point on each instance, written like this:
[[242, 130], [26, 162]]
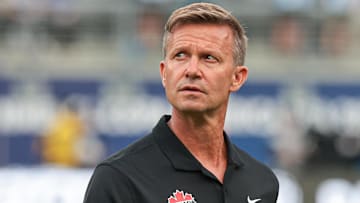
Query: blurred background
[[79, 80]]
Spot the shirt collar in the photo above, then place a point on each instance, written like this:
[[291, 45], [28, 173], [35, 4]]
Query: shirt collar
[[234, 156], [179, 156]]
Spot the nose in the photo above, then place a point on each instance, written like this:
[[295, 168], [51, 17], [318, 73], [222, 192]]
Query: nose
[[193, 71]]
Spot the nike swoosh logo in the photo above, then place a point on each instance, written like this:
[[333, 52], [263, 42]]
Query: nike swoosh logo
[[252, 201]]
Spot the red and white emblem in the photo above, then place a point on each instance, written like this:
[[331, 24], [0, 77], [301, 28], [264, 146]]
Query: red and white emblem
[[179, 197]]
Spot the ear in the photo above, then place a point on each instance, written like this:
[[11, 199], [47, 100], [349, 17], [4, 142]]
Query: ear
[[162, 72], [240, 75]]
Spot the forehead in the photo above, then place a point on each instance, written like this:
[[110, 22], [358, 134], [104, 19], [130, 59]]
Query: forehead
[[205, 35]]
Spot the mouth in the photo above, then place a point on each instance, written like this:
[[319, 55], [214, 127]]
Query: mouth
[[191, 88]]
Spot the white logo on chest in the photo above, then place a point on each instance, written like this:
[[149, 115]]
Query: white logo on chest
[[252, 200]]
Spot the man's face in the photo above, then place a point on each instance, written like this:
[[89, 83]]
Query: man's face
[[198, 71]]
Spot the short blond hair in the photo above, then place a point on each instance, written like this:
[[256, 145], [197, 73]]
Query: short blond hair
[[208, 13]]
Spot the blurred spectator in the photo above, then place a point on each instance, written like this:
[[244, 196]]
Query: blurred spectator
[[143, 48], [69, 140], [334, 36], [289, 143], [287, 35], [60, 139], [148, 27], [63, 22], [8, 15]]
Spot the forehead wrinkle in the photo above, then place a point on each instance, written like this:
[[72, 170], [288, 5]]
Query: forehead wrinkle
[[207, 42]]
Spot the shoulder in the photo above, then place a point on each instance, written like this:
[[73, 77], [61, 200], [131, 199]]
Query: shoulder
[[133, 153], [110, 179], [122, 159], [107, 184]]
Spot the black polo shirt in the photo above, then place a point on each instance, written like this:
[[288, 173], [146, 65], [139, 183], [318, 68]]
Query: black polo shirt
[[159, 169]]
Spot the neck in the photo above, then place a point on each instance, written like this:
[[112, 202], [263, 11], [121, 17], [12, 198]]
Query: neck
[[203, 137]]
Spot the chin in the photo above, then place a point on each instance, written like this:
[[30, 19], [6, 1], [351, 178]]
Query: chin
[[190, 105], [192, 108]]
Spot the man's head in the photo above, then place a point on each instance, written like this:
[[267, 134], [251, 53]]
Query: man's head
[[204, 52], [207, 13]]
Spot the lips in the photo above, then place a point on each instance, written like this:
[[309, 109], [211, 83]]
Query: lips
[[191, 88]]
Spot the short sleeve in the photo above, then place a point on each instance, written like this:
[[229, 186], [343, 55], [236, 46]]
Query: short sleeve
[[108, 185]]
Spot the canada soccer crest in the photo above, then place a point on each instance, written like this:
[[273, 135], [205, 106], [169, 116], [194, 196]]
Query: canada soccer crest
[[179, 197]]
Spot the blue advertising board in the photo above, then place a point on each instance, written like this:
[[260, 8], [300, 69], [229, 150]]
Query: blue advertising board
[[117, 118]]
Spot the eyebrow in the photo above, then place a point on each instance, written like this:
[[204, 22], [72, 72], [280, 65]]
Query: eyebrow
[[204, 49]]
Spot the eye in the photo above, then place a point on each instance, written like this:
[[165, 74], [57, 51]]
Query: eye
[[210, 58], [180, 55]]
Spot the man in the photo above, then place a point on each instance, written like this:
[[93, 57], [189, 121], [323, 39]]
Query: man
[[188, 158]]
